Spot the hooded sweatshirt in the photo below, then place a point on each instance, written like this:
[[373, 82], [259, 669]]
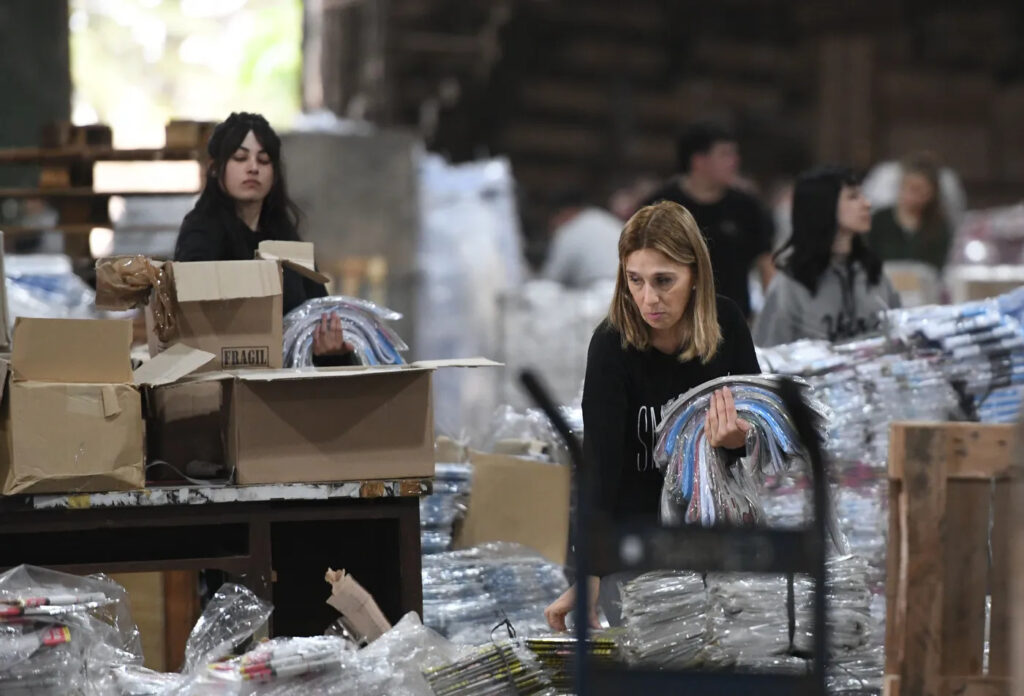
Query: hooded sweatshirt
[[845, 306]]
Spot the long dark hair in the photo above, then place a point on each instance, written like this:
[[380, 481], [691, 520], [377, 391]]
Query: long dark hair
[[808, 252], [926, 165], [278, 213]]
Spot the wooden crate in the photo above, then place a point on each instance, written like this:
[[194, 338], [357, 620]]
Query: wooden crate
[[948, 483]]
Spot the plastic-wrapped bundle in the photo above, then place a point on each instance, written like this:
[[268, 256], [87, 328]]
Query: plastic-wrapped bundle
[[62, 633], [45, 286], [440, 509], [665, 619], [509, 425], [231, 617], [981, 346], [700, 487], [502, 668], [558, 656], [466, 593], [364, 325]]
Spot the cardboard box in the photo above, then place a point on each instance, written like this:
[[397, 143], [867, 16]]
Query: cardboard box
[[71, 414], [518, 500], [231, 309], [330, 424]]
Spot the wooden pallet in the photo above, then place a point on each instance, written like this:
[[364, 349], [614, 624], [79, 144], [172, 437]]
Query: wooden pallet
[[948, 481]]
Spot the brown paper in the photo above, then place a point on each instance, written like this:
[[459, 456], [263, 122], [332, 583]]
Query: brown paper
[[356, 605], [518, 500]]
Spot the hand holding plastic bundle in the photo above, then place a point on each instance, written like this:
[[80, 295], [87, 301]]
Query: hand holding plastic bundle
[[363, 323], [705, 485]]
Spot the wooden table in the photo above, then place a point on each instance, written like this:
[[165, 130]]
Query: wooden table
[[276, 539]]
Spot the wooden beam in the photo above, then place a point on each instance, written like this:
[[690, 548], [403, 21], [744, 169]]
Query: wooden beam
[[965, 548], [976, 451]]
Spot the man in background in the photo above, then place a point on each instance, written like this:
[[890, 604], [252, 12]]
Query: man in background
[[585, 242], [737, 228]]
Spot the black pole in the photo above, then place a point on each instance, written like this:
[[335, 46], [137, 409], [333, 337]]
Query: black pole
[[541, 397], [809, 437]]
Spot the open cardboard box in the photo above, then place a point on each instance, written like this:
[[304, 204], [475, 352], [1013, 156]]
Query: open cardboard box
[[233, 309], [326, 424], [71, 414]]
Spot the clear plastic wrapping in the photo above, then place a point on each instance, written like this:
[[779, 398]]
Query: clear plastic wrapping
[[505, 667], [231, 618], [701, 485], [466, 593], [45, 286], [62, 633], [130, 282], [363, 323]]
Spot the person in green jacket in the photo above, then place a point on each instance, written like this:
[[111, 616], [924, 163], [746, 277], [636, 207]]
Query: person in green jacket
[[916, 228]]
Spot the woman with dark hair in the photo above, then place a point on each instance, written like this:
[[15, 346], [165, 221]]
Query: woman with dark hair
[[245, 202], [667, 331], [915, 229], [831, 286]]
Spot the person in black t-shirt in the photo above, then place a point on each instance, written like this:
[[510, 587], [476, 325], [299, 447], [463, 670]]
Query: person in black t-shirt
[[666, 332], [245, 202], [737, 228]]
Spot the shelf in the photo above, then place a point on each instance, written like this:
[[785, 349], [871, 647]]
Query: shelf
[[84, 228], [70, 155], [82, 192]]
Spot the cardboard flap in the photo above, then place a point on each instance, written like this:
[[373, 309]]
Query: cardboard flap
[[111, 406], [201, 281], [297, 256], [455, 362], [174, 363], [93, 351]]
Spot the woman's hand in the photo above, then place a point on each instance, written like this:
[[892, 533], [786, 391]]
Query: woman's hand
[[328, 338], [557, 611], [723, 427]]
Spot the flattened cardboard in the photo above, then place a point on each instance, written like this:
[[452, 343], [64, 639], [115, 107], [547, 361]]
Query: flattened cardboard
[[518, 500], [73, 350], [297, 256], [171, 365], [206, 281]]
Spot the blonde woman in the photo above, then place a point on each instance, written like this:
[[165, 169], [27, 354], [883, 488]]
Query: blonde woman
[[666, 332]]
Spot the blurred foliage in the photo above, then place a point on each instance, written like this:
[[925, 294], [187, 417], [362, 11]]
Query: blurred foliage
[[138, 63]]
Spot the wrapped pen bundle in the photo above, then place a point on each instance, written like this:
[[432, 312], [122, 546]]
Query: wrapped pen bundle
[[558, 656], [701, 485], [502, 668], [364, 325], [61, 633]]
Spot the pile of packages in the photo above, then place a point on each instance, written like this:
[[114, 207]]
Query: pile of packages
[[680, 619], [980, 347], [363, 323], [467, 593]]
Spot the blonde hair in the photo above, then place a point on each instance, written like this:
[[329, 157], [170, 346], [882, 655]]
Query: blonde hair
[[670, 229]]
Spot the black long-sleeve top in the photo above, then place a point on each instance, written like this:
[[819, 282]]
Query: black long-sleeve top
[[623, 394]]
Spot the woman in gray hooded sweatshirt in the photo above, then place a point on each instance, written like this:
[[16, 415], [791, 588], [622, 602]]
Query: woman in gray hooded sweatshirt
[[831, 285]]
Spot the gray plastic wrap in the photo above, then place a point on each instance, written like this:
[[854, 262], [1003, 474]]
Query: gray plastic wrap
[[45, 286], [466, 593], [230, 619], [364, 325], [665, 618], [62, 633]]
